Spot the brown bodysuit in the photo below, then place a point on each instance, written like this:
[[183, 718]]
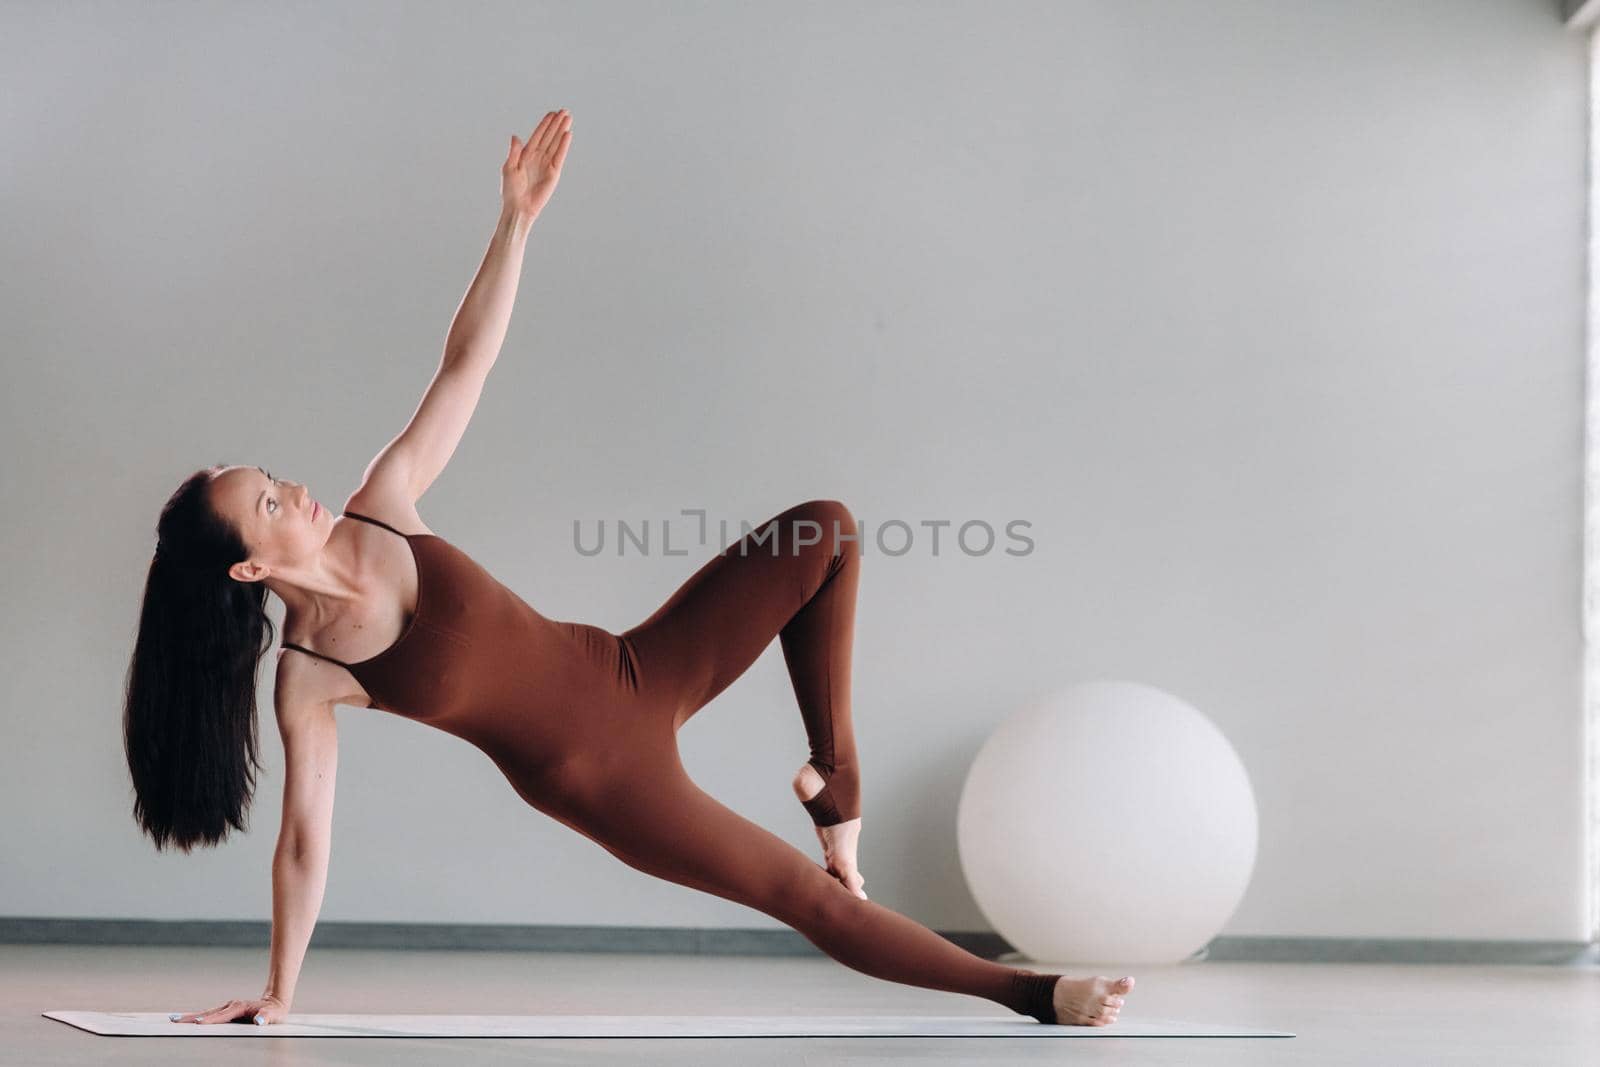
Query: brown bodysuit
[[583, 723]]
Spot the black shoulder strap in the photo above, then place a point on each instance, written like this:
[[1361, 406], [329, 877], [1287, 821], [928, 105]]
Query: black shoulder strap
[[375, 522], [319, 655]]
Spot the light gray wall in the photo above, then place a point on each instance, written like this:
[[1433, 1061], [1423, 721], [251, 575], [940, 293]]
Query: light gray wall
[[1267, 316]]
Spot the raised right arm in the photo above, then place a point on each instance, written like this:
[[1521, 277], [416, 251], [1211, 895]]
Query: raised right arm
[[407, 465], [300, 863]]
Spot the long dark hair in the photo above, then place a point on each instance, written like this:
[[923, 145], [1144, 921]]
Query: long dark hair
[[189, 721]]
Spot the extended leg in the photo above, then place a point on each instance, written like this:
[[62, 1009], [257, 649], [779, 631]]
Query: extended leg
[[661, 823], [793, 577]]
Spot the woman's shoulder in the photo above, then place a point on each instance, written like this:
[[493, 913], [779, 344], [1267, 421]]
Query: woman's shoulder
[[392, 508], [306, 680]]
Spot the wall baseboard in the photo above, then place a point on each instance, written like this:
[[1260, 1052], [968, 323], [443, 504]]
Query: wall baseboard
[[714, 941], [1399, 950], [719, 941]]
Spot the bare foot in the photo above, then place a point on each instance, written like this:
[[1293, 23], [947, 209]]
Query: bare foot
[[1088, 1001], [839, 840]]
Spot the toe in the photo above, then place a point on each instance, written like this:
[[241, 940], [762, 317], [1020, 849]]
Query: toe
[[853, 881]]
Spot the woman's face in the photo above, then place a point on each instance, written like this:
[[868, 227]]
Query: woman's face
[[279, 521]]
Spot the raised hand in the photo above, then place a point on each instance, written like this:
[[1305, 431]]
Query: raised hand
[[529, 175]]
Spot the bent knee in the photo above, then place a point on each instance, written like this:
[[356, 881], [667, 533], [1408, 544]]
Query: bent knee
[[839, 531]]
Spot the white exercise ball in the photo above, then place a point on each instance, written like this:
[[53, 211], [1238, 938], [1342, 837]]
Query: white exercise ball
[[1109, 823]]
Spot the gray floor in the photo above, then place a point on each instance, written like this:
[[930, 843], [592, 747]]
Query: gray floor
[[1343, 1013]]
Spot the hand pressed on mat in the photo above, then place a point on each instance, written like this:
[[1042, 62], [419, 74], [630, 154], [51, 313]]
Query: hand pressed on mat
[[262, 1011]]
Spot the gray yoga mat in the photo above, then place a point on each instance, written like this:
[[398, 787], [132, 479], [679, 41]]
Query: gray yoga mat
[[155, 1024]]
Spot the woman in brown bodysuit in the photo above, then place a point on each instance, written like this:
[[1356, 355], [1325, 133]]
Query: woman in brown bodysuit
[[582, 721]]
